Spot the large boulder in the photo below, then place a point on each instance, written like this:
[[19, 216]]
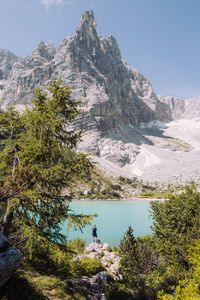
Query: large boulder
[[9, 259]]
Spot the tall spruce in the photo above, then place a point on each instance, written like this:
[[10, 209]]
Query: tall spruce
[[129, 264]]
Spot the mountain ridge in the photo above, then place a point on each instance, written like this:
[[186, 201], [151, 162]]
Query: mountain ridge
[[93, 66]]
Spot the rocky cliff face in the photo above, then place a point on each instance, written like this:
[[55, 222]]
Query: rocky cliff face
[[7, 60], [182, 109]]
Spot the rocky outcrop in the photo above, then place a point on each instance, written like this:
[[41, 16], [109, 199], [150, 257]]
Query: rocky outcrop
[[93, 286], [9, 259], [109, 259], [28, 73]]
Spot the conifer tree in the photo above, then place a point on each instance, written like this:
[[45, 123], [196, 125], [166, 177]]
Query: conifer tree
[[38, 161], [128, 264], [176, 224]]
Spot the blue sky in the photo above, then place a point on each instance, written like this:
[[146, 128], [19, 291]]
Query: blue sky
[[161, 38]]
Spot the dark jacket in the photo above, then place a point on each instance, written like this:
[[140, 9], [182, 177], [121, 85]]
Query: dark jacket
[[94, 231]]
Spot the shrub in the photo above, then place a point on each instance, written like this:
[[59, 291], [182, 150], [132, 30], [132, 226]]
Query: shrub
[[116, 187], [87, 266], [77, 245]]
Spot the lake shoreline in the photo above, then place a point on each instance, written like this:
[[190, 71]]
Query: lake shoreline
[[122, 199]]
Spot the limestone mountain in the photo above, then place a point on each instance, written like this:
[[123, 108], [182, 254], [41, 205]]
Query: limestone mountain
[[117, 101], [111, 92]]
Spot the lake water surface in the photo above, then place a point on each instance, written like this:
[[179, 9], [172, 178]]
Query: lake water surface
[[113, 219]]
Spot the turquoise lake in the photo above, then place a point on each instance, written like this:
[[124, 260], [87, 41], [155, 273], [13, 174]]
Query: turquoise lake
[[113, 219]]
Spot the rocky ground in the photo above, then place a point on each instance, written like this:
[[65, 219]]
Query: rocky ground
[[89, 286]]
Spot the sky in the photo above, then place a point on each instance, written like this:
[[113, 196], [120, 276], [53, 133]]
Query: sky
[[160, 38]]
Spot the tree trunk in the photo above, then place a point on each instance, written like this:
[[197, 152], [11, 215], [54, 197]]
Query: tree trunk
[[7, 220]]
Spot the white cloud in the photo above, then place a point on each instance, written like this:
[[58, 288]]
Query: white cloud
[[48, 3]]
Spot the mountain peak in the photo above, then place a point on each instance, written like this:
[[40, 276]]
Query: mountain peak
[[86, 35], [87, 26]]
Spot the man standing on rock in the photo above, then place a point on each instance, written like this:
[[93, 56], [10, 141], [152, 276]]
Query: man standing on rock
[[94, 233]]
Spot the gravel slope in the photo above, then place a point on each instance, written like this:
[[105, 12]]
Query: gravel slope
[[174, 157]]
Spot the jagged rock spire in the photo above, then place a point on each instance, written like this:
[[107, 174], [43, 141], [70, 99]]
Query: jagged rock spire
[[88, 19], [87, 28]]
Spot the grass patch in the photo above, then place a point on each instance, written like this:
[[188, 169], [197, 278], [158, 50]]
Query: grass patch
[[154, 194], [33, 286]]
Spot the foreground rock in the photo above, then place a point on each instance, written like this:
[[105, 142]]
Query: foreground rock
[[90, 286], [9, 260]]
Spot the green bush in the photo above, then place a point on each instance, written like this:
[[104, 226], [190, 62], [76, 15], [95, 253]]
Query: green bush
[[77, 245], [87, 266], [115, 194]]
